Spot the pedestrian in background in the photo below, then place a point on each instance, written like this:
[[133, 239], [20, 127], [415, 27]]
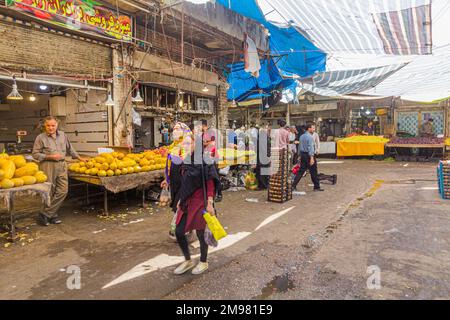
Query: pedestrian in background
[[307, 159]]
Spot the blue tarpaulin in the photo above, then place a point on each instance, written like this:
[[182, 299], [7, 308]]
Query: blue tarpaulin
[[298, 56], [244, 86]]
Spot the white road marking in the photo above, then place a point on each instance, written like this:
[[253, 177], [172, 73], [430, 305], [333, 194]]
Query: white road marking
[[429, 188], [98, 231], [132, 222], [273, 217], [330, 162], [163, 260]]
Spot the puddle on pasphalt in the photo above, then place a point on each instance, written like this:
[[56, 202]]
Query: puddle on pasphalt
[[277, 285]]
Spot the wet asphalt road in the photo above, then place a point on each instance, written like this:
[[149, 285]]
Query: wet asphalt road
[[320, 249]]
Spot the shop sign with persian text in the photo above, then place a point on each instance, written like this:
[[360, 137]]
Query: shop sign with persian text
[[83, 15]]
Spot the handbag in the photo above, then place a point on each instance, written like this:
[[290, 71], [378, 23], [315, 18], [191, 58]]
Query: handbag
[[213, 223], [296, 169]]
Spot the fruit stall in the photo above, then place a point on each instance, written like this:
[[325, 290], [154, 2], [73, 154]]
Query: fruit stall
[[414, 148], [231, 157], [20, 179], [118, 172], [361, 146]]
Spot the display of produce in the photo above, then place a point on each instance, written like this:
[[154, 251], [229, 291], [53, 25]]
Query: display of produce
[[365, 139], [418, 140], [443, 172], [280, 184], [117, 163], [16, 172]]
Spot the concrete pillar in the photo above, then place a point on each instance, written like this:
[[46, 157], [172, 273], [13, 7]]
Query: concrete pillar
[[222, 108], [288, 114], [122, 124]]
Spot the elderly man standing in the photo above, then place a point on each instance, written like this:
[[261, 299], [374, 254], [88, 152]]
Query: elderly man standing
[[50, 149]]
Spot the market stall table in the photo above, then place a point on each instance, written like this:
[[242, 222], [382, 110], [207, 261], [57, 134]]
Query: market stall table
[[116, 184], [361, 146], [9, 197], [394, 146]]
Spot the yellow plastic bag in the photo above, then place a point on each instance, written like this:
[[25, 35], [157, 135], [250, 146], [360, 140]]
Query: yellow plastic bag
[[214, 225]]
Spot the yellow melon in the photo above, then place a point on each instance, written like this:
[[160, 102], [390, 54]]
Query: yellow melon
[[110, 173], [6, 184], [102, 173], [94, 172], [120, 155], [99, 159], [8, 168], [113, 166], [137, 169], [28, 180], [27, 170], [18, 182], [2, 175], [117, 172], [124, 171], [4, 156], [41, 177], [19, 161]]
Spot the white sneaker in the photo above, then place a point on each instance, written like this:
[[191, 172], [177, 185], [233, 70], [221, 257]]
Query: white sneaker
[[200, 268], [184, 267]]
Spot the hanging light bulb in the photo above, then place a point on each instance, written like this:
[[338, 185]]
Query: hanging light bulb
[[14, 95], [137, 98], [110, 101], [267, 105], [32, 98], [205, 88], [233, 104]]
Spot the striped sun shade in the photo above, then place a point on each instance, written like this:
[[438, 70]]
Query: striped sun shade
[[344, 82], [400, 27]]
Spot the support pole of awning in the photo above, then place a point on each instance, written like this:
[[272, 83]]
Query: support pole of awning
[[54, 83]]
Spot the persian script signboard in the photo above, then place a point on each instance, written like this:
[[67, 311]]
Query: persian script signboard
[[85, 15]]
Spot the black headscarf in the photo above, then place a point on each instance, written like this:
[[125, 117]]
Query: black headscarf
[[192, 179]]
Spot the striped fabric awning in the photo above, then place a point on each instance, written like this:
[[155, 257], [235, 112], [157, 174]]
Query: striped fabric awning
[[344, 82], [405, 32], [359, 26]]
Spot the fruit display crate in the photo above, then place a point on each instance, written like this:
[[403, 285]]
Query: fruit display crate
[[280, 184], [443, 173], [116, 184]]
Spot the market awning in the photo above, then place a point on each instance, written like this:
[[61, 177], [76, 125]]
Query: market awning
[[338, 83], [244, 86], [361, 26], [297, 55]]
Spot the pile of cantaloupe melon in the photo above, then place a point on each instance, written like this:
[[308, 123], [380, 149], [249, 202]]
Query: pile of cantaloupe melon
[[15, 172], [117, 163]]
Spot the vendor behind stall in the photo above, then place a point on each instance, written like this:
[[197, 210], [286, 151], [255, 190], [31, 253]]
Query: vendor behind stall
[[427, 129], [50, 149], [369, 130]]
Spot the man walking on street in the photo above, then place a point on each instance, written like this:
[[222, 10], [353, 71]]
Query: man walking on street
[[307, 159], [50, 149]]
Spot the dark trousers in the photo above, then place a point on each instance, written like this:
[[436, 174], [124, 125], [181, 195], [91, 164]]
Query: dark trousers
[[219, 185], [305, 165], [263, 180], [183, 242]]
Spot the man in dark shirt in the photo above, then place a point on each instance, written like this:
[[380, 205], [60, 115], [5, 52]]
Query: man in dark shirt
[[369, 130]]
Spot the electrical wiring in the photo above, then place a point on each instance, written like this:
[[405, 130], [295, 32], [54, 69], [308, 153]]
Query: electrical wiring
[[38, 92]]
